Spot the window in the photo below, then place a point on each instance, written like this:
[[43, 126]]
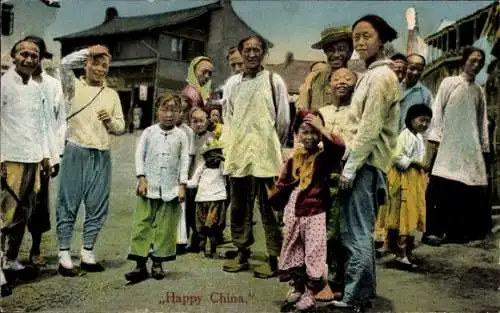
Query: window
[[187, 49], [192, 49], [177, 44]]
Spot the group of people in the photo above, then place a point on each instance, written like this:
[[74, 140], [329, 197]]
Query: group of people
[[43, 118], [376, 158]]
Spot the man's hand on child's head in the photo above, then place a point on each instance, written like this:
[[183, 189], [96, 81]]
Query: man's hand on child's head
[[314, 121]]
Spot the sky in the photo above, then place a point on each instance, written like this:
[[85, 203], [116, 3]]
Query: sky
[[290, 25]]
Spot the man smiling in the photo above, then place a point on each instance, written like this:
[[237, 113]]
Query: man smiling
[[336, 43], [94, 113], [24, 148]]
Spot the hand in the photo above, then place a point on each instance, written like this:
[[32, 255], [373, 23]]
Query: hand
[[3, 170], [104, 116], [98, 50], [182, 193], [344, 182], [142, 188], [46, 170], [314, 121], [55, 170]]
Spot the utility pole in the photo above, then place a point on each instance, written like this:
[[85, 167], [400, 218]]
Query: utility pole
[[156, 78]]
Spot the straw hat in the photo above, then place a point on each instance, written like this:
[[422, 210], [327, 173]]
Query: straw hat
[[333, 34]]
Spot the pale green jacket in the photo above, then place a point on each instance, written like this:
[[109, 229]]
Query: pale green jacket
[[373, 120]]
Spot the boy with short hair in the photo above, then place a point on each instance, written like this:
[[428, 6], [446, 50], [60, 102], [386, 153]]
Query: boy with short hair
[[162, 161]]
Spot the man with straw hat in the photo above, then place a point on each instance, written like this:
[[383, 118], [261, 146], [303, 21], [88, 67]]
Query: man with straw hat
[[336, 43]]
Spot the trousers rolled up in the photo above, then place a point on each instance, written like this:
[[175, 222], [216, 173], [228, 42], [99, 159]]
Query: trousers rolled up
[[244, 191], [359, 211], [85, 176], [15, 211]]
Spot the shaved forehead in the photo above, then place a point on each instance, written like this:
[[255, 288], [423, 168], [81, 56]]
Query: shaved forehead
[[199, 113], [344, 71], [26, 45], [415, 58]]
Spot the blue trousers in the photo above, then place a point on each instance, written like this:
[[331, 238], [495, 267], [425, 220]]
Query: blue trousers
[[359, 213], [85, 175]]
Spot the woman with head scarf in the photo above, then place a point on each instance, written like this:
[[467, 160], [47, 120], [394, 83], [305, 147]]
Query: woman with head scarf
[[199, 87], [373, 120]]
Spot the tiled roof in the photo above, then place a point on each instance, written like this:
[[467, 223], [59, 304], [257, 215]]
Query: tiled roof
[[132, 24], [295, 72]]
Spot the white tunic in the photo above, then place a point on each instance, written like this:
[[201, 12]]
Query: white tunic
[[460, 125], [24, 120], [53, 92], [210, 182], [410, 148], [163, 158]]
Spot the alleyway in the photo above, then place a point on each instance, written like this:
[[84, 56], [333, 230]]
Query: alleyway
[[452, 278]]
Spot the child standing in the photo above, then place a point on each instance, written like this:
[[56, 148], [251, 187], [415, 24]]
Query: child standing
[[162, 160], [183, 124], [199, 124], [303, 190], [405, 211], [210, 198]]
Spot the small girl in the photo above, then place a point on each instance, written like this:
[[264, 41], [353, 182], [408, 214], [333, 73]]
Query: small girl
[[404, 214], [162, 160], [210, 198], [199, 124], [303, 190]]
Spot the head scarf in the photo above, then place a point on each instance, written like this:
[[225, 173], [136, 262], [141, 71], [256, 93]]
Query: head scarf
[[204, 90]]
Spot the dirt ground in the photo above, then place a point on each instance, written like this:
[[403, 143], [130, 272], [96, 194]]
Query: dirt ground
[[451, 278]]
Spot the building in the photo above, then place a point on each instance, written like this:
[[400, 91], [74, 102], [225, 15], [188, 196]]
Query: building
[[151, 53], [21, 18], [292, 71], [447, 44]]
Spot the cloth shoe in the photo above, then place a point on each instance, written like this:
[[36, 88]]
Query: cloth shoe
[[267, 270], [137, 275], [88, 262], [238, 264], [157, 271]]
